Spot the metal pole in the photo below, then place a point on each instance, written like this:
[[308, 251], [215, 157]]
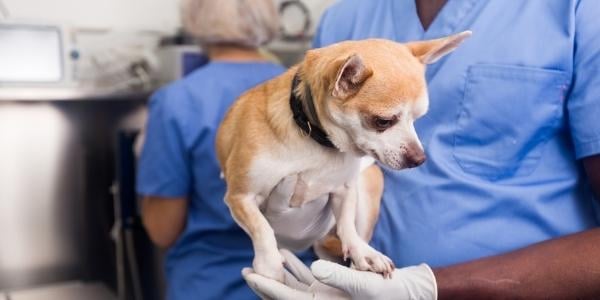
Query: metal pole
[[117, 233]]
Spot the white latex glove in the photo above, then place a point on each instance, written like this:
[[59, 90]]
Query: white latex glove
[[327, 280], [297, 228]]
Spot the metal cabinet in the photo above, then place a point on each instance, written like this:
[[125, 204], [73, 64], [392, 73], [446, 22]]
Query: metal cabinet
[[57, 164]]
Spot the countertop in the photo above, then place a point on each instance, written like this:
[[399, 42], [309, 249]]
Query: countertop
[[59, 93]]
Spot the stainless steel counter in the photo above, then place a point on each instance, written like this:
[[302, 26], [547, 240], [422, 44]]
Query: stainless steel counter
[[66, 93]]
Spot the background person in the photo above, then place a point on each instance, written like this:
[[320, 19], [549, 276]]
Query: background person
[[183, 206]]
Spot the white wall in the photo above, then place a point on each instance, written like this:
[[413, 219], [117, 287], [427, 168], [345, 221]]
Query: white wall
[[155, 15], [127, 15]]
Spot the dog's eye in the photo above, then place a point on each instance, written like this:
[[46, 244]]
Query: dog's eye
[[381, 123]]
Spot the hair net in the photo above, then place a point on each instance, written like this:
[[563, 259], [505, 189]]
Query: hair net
[[249, 23]]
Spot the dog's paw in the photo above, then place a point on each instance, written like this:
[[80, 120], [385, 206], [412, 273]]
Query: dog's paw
[[365, 258], [270, 266]]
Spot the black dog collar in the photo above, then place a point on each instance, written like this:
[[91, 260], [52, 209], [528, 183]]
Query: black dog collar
[[309, 123]]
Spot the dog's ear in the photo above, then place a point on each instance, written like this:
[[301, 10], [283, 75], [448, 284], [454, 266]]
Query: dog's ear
[[431, 51], [350, 77]]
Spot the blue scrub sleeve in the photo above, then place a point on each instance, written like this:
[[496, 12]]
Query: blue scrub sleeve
[[330, 30], [584, 101], [317, 43], [164, 165]]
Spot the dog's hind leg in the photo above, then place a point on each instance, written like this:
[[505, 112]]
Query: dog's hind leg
[[267, 260]]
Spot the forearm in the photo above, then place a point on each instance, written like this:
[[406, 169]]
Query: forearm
[[563, 268], [164, 219]]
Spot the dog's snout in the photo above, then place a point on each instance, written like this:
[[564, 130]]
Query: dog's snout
[[415, 156]]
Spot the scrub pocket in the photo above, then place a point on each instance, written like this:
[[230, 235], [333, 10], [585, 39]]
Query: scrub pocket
[[507, 115]]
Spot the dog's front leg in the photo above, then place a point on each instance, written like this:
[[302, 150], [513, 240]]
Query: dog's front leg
[[364, 257], [267, 260]]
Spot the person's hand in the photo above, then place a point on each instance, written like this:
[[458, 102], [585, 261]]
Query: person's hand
[[327, 280], [297, 228]]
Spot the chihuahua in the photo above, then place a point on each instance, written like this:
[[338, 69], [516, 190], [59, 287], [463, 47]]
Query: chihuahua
[[315, 122]]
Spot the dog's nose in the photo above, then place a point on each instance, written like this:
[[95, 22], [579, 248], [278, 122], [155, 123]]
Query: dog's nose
[[412, 162], [415, 156]]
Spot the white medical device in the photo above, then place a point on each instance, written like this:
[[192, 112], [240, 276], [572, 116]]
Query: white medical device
[[39, 61], [33, 54]]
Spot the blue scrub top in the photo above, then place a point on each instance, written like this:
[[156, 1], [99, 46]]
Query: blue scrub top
[[511, 112], [179, 160]]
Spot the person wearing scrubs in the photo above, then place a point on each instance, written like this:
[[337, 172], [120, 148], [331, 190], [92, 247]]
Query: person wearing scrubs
[[506, 205], [178, 177]]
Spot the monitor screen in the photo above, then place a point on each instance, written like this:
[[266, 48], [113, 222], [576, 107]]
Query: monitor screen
[[30, 54]]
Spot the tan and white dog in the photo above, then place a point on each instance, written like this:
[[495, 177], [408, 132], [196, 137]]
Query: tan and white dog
[[315, 122]]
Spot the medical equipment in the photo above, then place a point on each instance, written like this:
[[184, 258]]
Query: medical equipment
[[31, 53], [295, 20], [60, 62], [298, 25]]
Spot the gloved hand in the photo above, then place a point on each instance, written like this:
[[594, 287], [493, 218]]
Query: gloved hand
[[327, 280], [297, 228]]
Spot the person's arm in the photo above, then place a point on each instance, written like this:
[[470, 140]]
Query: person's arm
[[563, 268], [164, 174], [164, 219]]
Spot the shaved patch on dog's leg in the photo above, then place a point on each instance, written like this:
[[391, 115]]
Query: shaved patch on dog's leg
[[299, 196]]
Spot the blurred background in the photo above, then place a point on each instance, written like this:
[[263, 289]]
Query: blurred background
[[75, 76]]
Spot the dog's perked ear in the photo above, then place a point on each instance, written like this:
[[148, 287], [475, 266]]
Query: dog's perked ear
[[350, 77], [431, 51]]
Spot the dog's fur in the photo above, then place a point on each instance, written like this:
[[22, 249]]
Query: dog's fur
[[367, 94]]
